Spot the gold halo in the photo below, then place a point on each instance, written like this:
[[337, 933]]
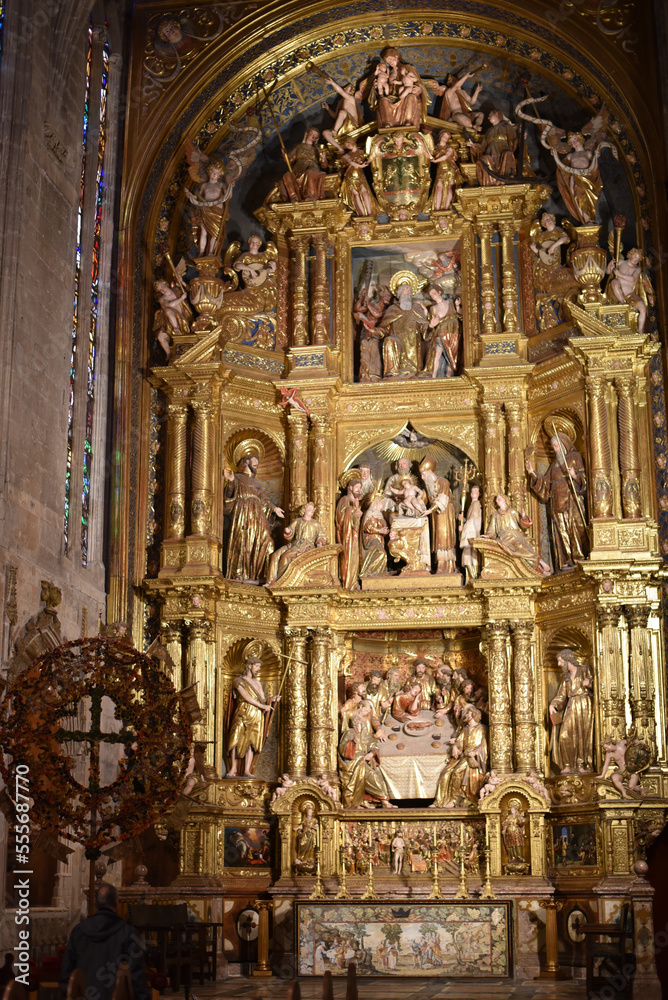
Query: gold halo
[[514, 802], [307, 804], [250, 446], [253, 648], [560, 424], [406, 278], [348, 476]]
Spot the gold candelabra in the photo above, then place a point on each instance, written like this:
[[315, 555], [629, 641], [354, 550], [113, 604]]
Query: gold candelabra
[[487, 890], [370, 892], [343, 877], [318, 888], [462, 891], [435, 887]]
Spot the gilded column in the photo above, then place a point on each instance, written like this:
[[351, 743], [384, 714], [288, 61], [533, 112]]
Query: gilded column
[[494, 449], [298, 458], [629, 460], [202, 494], [524, 717], [516, 413], [641, 682], [300, 294], [200, 672], [172, 640], [177, 419], [601, 463], [511, 322], [487, 288], [611, 679], [498, 679], [322, 735], [320, 299], [296, 748], [322, 464]]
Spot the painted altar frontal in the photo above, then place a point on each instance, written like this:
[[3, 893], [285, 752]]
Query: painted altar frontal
[[463, 940]]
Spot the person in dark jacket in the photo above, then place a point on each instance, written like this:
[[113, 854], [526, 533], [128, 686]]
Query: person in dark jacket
[[98, 945]]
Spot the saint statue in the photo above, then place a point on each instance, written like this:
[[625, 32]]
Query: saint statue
[[407, 704], [443, 521], [554, 283], [506, 526], [249, 541], [306, 838], [302, 535], [572, 716], [359, 704], [377, 693], [457, 104], [425, 682], [563, 488], [248, 715], [174, 315], [512, 831], [396, 91], [630, 285], [305, 181], [470, 528], [403, 324], [373, 556], [496, 150], [362, 784], [444, 335], [348, 516], [464, 775]]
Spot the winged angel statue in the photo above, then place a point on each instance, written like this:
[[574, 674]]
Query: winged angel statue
[[576, 155], [216, 182]]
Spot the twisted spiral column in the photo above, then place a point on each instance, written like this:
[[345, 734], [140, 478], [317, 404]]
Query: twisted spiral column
[[320, 300], [524, 716], [629, 459], [498, 680], [296, 750], [177, 419], [300, 297], [322, 734], [601, 462], [511, 322], [202, 494]]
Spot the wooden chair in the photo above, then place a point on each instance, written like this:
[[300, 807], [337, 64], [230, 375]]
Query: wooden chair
[[76, 986], [611, 952], [14, 991]]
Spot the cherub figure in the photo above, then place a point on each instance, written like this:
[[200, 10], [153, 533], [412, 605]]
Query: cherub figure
[[174, 315], [576, 155], [457, 105], [409, 499], [347, 114], [410, 82], [630, 285], [381, 78], [616, 754], [330, 790], [283, 785]]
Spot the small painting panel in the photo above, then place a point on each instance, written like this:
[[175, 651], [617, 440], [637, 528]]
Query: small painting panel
[[574, 845], [247, 847], [459, 940]]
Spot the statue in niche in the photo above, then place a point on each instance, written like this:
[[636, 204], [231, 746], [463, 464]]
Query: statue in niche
[[397, 847], [347, 116], [443, 521], [448, 174], [249, 539], [305, 180], [469, 528], [513, 831], [464, 775], [553, 282], [373, 556], [630, 285], [403, 325], [507, 527], [306, 839], [495, 150], [576, 155], [174, 316], [302, 535], [216, 183], [444, 335], [362, 784], [367, 312], [355, 191], [396, 91], [249, 315], [572, 716], [248, 713], [564, 489], [348, 517], [457, 105]]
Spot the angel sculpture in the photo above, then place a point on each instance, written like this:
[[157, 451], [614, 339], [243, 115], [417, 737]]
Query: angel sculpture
[[216, 183], [578, 176], [174, 315]]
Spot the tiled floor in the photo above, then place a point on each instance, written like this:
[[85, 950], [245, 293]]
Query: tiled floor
[[397, 989]]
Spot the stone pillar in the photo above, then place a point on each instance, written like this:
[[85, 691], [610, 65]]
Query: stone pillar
[[177, 419], [516, 412], [641, 681], [200, 672], [263, 968], [524, 717], [629, 459], [298, 459], [300, 296], [322, 735], [611, 680], [494, 449], [511, 322], [296, 747], [322, 466], [202, 458], [601, 463], [320, 300], [498, 680], [487, 287], [173, 643]]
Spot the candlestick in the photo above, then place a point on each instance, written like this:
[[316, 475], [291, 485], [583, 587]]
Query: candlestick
[[369, 892], [434, 831], [343, 876], [370, 837], [435, 887], [488, 891], [486, 834], [461, 834], [317, 835], [318, 888]]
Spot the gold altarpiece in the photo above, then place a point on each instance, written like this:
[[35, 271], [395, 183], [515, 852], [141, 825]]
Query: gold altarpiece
[[515, 384]]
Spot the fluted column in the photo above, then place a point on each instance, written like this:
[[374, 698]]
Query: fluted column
[[629, 459], [172, 640], [601, 464], [322, 735], [296, 702], [320, 298], [300, 296], [641, 684], [498, 680], [322, 463], [524, 717], [202, 460], [494, 447], [511, 322], [487, 287], [611, 673], [516, 422], [177, 419], [200, 672], [298, 459]]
